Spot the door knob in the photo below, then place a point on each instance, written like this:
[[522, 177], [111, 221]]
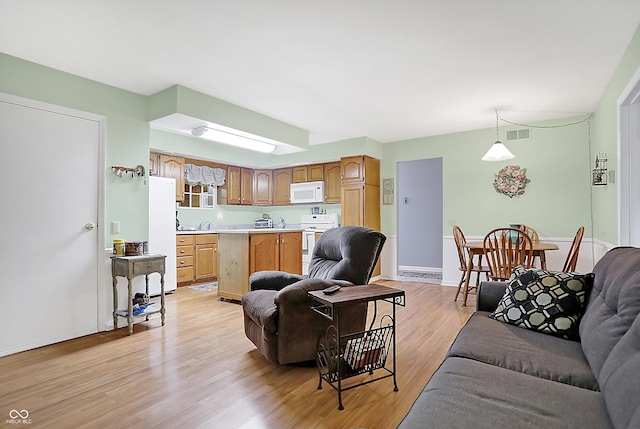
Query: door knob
[[90, 226]]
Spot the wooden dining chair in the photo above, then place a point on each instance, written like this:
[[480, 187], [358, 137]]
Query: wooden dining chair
[[535, 238], [572, 256], [505, 249], [463, 256]]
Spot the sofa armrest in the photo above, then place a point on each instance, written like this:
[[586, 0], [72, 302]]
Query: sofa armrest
[[272, 280], [489, 294]]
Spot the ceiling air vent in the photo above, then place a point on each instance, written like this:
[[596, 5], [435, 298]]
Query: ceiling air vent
[[518, 134]]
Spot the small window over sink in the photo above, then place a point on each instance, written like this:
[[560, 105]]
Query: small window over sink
[[199, 196]]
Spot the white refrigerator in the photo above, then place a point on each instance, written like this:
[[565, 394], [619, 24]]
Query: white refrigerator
[[162, 230]]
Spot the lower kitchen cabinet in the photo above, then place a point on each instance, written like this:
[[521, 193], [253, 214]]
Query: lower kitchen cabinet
[[243, 253], [282, 252], [196, 258], [184, 258], [206, 260]]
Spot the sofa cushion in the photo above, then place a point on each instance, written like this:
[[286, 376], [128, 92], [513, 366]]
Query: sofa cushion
[[464, 393], [614, 305], [545, 301], [507, 346]]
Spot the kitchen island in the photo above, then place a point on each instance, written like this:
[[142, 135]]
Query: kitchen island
[[242, 252]]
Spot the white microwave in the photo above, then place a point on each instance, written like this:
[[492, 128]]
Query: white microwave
[[307, 192]]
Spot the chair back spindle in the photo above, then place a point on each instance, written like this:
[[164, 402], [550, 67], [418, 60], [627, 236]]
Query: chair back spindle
[[505, 249]]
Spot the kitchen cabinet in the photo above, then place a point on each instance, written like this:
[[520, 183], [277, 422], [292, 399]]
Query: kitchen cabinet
[[206, 256], [263, 187], [361, 206], [360, 169], [308, 173], [282, 179], [315, 172], [281, 252], [242, 253], [196, 258], [185, 272], [300, 174], [173, 166], [239, 185], [360, 195], [333, 182]]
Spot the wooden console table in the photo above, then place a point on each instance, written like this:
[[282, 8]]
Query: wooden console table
[[342, 356], [129, 267]]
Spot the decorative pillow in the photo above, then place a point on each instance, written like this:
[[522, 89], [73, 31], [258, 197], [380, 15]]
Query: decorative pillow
[[545, 301]]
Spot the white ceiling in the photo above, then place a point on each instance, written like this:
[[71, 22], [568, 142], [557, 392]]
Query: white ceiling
[[389, 69]]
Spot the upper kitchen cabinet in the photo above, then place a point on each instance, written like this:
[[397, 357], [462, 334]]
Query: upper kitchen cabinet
[[300, 174], [282, 179], [239, 185], [263, 190], [173, 166], [360, 169], [308, 173], [332, 182]]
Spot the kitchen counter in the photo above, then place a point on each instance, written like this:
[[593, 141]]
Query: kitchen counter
[[238, 231], [258, 230]]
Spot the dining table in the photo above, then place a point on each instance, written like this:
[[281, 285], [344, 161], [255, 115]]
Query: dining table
[[476, 248]]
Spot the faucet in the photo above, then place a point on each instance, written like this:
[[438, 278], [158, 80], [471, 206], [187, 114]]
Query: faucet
[[202, 224]]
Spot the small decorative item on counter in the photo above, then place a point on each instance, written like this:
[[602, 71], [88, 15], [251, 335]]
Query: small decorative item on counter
[[134, 248], [118, 247]]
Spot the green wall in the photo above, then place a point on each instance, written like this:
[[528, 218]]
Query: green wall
[[556, 201], [605, 139]]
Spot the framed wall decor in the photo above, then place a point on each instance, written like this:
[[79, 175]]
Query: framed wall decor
[[387, 191]]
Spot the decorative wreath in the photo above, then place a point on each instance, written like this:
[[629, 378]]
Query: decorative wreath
[[511, 181]]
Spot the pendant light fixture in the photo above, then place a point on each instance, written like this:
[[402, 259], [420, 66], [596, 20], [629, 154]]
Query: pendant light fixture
[[497, 151]]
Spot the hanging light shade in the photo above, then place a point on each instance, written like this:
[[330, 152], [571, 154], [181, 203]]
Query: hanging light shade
[[497, 151]]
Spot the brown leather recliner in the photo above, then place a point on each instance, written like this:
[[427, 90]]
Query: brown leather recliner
[[277, 317]]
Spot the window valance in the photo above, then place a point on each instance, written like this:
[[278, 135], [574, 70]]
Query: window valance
[[203, 175]]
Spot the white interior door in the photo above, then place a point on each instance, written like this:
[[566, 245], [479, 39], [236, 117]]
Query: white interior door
[[49, 169]]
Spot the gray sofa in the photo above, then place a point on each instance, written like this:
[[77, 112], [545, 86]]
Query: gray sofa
[[497, 375]]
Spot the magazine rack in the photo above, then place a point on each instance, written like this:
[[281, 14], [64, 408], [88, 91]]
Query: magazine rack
[[341, 356]]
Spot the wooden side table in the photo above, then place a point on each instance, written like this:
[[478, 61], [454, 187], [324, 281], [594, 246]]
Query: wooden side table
[[342, 356], [129, 267]]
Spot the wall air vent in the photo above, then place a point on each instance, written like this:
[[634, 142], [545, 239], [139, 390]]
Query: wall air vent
[[518, 134]]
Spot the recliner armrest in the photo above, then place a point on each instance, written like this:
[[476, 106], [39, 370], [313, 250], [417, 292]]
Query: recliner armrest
[[489, 294], [272, 280], [296, 293]]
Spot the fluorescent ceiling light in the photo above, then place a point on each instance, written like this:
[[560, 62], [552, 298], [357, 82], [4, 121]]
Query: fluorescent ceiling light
[[498, 152], [235, 138]]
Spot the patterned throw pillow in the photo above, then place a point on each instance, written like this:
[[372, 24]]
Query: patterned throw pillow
[[545, 301]]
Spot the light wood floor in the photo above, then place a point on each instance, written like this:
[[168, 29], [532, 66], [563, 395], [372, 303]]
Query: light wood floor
[[200, 371]]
